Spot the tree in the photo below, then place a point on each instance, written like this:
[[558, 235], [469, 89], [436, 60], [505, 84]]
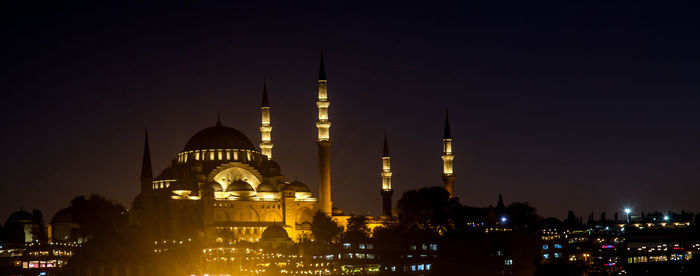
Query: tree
[[324, 229], [500, 206], [357, 229], [97, 215], [522, 215], [571, 222], [38, 230], [429, 209]]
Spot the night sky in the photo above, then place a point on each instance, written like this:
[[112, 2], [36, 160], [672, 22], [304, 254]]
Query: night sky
[[582, 106]]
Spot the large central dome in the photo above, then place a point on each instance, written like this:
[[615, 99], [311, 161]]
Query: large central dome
[[219, 137]]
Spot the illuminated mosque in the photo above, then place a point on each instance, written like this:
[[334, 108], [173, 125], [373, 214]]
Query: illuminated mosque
[[222, 189]]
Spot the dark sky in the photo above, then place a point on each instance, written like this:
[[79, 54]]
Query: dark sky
[[583, 106]]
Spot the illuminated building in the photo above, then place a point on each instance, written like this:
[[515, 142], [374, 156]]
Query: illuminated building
[[222, 189]]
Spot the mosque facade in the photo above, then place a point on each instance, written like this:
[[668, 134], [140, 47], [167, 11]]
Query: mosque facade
[[221, 188]]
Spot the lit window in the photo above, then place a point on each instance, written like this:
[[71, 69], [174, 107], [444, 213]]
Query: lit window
[[545, 247], [427, 267], [424, 246], [370, 256], [346, 245], [499, 253], [421, 267], [413, 268], [546, 256], [370, 246], [433, 247], [362, 246], [413, 247], [509, 262], [556, 245], [557, 255]]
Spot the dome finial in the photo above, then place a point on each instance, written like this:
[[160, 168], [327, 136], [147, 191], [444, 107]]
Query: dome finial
[[218, 119]]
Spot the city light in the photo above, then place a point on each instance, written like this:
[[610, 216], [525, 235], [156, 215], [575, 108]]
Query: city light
[[628, 211], [504, 219], [666, 218]]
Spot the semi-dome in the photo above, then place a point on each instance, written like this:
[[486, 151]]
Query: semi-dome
[[274, 232], [266, 188], [241, 188], [216, 187], [219, 137]]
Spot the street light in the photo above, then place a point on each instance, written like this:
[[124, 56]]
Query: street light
[[666, 218], [628, 211], [504, 219]]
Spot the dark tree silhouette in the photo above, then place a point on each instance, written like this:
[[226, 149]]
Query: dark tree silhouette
[[324, 229], [357, 229], [38, 231], [97, 215], [522, 215], [429, 209], [571, 222]]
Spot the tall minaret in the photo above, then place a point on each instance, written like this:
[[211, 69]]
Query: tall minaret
[[146, 169], [448, 176], [265, 126], [324, 143], [387, 191]]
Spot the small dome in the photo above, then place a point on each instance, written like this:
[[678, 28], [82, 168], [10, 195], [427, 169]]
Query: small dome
[[298, 187], [270, 168], [274, 232], [168, 173], [218, 137], [63, 216], [21, 216], [266, 188]]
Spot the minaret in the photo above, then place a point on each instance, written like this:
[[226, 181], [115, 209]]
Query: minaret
[[265, 126], [324, 143], [146, 169], [448, 176], [387, 191]]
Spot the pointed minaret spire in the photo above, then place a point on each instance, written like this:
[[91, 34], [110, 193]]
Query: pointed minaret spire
[[386, 191], [265, 100], [146, 169], [218, 119], [447, 134], [322, 70], [448, 175], [385, 152], [265, 125], [324, 144]]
